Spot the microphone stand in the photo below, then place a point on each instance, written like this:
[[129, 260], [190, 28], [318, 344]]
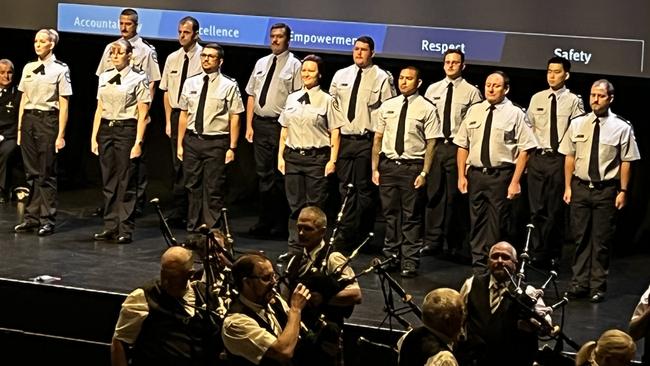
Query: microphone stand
[[339, 217], [164, 228], [226, 225], [388, 286]]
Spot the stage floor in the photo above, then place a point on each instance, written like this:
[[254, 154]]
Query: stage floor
[[73, 256]]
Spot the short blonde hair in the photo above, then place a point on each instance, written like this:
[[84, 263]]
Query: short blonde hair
[[51, 34]]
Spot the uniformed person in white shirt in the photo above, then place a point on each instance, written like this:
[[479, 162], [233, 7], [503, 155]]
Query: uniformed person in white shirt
[[309, 144], [599, 148], [549, 112], [359, 91], [180, 65], [145, 59], [274, 77], [9, 102], [405, 137], [123, 99], [208, 129], [494, 140], [452, 96], [42, 118]]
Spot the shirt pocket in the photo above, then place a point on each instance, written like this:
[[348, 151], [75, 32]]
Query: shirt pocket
[[315, 116], [505, 132], [286, 80], [217, 102], [609, 149], [579, 140]]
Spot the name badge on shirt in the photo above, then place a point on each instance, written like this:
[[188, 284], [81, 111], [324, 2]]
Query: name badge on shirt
[[472, 124], [174, 72], [28, 76], [580, 136], [344, 84], [259, 72], [436, 98], [193, 92], [390, 112], [540, 109]]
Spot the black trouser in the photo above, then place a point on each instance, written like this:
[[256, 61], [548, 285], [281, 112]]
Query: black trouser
[[6, 149], [402, 206], [489, 210], [273, 203], [305, 183], [119, 174], [545, 191], [204, 167], [39, 132], [593, 222], [353, 166], [446, 205], [179, 201]]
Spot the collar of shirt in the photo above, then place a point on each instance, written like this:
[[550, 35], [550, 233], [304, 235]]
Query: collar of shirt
[[313, 92], [281, 57], [47, 61], [558, 92], [411, 97], [314, 252], [212, 76], [195, 50], [602, 119], [133, 40], [496, 284], [455, 81], [498, 106], [125, 71], [257, 308]]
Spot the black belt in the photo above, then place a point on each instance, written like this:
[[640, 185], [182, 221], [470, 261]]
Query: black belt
[[356, 137], [443, 140], [311, 151], [269, 119], [597, 185], [494, 169], [405, 161], [547, 152], [131, 122], [176, 110], [40, 113], [207, 137]]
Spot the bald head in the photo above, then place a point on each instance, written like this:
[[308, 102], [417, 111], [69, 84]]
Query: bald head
[[443, 310], [176, 270], [502, 261]]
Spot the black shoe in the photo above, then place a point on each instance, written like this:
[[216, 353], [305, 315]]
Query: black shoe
[[430, 250], [98, 212], [259, 230], [597, 297], [124, 239], [26, 227], [3, 200], [45, 230], [577, 293], [104, 235], [409, 272]]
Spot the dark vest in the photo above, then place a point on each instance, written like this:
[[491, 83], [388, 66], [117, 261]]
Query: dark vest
[[418, 346], [495, 339], [237, 307], [9, 103], [169, 336]]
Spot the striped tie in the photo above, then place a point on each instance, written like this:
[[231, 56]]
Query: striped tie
[[496, 294]]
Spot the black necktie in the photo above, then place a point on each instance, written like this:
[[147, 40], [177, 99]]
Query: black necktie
[[39, 70], [485, 144], [352, 107], [304, 99], [198, 122], [594, 174], [554, 137], [446, 119], [117, 79], [186, 63], [401, 127], [267, 82]]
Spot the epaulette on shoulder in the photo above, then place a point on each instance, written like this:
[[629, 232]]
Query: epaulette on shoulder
[[520, 107], [475, 103], [61, 63], [229, 78], [624, 120], [147, 43], [580, 115], [428, 100], [391, 98], [111, 69]]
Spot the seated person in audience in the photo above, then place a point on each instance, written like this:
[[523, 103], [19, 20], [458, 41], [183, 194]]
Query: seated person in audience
[[640, 324], [613, 348], [9, 102]]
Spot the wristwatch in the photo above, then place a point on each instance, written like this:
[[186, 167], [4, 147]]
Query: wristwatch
[[423, 174]]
